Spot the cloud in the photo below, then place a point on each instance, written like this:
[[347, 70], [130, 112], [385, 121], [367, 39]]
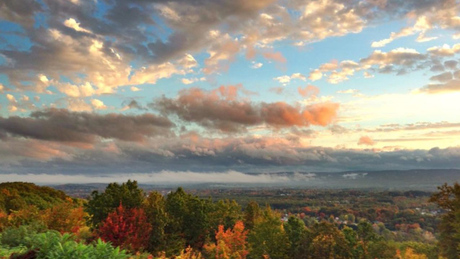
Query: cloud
[[256, 65], [348, 91], [444, 77], [222, 109], [286, 79], [187, 81], [275, 56], [23, 104], [449, 86], [416, 126], [125, 45], [98, 104], [315, 75], [134, 89], [444, 50], [366, 140], [399, 61], [421, 26], [200, 154], [65, 126], [165, 177], [133, 104], [308, 91]]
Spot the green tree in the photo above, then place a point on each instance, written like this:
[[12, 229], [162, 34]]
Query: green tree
[[268, 237], [296, 232], [328, 242], [101, 204], [366, 234], [224, 212], [155, 210], [188, 222], [448, 199], [251, 213]]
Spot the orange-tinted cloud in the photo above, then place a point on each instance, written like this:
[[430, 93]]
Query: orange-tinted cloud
[[275, 56], [308, 91], [222, 109], [366, 140]]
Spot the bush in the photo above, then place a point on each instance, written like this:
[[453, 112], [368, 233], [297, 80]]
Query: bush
[[52, 245]]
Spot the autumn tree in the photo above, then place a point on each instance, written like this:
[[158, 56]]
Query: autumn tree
[[101, 204], [230, 244], [448, 199], [127, 228], [224, 212], [64, 217], [328, 242]]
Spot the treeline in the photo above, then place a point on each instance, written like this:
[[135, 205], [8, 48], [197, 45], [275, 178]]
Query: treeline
[[181, 225]]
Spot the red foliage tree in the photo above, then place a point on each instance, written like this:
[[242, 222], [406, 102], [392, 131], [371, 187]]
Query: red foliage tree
[[126, 228]]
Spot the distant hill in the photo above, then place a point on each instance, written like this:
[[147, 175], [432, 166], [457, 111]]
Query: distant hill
[[17, 195], [424, 180]]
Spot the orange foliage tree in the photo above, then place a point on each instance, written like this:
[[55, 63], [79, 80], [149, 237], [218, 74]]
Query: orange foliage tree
[[230, 244], [127, 228], [64, 217]]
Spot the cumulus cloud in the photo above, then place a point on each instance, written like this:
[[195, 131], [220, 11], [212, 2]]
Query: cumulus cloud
[[222, 109], [398, 61], [101, 50], [286, 79]]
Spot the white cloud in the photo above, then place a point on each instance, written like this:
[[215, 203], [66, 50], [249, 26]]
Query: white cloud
[[72, 23], [98, 104], [135, 89], [188, 81], [286, 79], [256, 65]]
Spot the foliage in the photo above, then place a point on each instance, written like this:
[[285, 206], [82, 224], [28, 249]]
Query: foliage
[[52, 244], [327, 241], [15, 196], [230, 244], [101, 204], [154, 208], [296, 232], [226, 213], [268, 237], [181, 225], [448, 198], [127, 228], [251, 214], [64, 217], [188, 223]]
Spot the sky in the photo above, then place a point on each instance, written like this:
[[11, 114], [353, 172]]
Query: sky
[[108, 89]]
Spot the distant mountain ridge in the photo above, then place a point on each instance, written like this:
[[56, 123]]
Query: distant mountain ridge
[[424, 180]]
